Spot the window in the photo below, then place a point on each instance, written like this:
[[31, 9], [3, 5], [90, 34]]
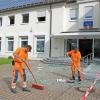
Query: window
[[12, 20], [41, 16], [0, 21], [71, 44], [40, 44], [10, 43], [97, 48], [89, 12], [73, 14], [0, 43], [24, 41], [25, 18]]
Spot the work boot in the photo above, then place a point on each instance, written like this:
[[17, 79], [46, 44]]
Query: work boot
[[79, 78], [13, 90], [25, 89], [73, 78]]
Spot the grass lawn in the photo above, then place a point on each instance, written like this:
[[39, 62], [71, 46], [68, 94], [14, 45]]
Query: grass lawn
[[5, 61]]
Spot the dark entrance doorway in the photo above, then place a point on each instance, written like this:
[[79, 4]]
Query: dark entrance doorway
[[85, 46]]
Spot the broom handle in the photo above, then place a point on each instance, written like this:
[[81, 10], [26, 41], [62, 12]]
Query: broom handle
[[28, 66], [30, 72], [75, 65], [33, 76]]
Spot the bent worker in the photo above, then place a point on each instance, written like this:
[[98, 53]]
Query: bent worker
[[75, 62], [20, 57]]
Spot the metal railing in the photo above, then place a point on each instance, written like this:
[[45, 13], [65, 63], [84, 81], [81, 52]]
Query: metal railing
[[88, 58]]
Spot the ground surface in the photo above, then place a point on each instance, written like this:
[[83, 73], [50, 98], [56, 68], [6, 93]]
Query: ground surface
[[54, 78]]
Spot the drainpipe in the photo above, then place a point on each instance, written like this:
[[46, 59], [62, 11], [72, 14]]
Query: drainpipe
[[93, 49], [50, 29]]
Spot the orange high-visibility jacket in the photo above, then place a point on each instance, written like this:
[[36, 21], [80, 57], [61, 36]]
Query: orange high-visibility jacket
[[18, 65], [22, 53], [75, 56]]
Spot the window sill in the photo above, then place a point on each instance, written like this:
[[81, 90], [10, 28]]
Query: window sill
[[39, 52], [73, 20], [40, 22], [11, 25], [88, 18], [24, 23], [9, 51], [88, 28]]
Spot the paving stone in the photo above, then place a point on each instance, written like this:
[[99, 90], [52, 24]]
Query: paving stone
[[54, 90]]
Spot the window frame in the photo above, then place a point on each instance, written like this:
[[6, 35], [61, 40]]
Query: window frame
[[23, 39], [24, 19], [7, 42], [75, 18], [10, 19], [0, 43], [40, 39], [1, 22], [41, 14], [88, 17]]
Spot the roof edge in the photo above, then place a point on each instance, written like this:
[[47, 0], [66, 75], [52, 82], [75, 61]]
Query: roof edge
[[49, 2]]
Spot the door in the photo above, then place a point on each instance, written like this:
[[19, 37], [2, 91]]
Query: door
[[70, 44], [85, 46]]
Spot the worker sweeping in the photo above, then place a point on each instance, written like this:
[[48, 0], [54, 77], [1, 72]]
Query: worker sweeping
[[20, 56], [75, 63]]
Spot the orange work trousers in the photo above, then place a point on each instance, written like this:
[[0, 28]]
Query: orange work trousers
[[18, 68], [75, 66]]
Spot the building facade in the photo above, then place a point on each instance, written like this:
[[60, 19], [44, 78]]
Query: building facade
[[51, 27]]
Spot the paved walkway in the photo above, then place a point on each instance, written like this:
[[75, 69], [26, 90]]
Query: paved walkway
[[54, 79]]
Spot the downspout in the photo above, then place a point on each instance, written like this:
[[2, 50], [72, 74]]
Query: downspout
[[50, 30]]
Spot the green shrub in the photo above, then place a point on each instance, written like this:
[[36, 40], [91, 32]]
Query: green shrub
[[10, 57]]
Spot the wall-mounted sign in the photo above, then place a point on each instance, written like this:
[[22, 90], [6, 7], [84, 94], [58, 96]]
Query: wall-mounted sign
[[88, 24]]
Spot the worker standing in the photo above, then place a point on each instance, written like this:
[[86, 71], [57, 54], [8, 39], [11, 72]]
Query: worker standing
[[75, 62], [20, 57]]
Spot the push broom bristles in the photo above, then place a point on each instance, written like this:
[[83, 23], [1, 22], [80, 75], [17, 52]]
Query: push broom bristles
[[38, 86]]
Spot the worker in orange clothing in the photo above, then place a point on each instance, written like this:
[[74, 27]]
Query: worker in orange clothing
[[20, 57], [75, 62]]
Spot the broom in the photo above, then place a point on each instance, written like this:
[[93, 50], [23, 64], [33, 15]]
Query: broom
[[36, 85]]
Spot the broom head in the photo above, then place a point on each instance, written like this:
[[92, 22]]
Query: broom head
[[38, 86]]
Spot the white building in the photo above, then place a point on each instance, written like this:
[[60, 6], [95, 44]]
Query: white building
[[51, 27]]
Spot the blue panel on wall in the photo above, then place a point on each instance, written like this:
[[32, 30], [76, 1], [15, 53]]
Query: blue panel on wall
[[88, 23]]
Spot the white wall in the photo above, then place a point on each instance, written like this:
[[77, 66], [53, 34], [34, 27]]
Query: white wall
[[70, 25], [32, 29], [82, 1], [96, 14], [57, 47], [57, 27], [60, 23], [57, 18]]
